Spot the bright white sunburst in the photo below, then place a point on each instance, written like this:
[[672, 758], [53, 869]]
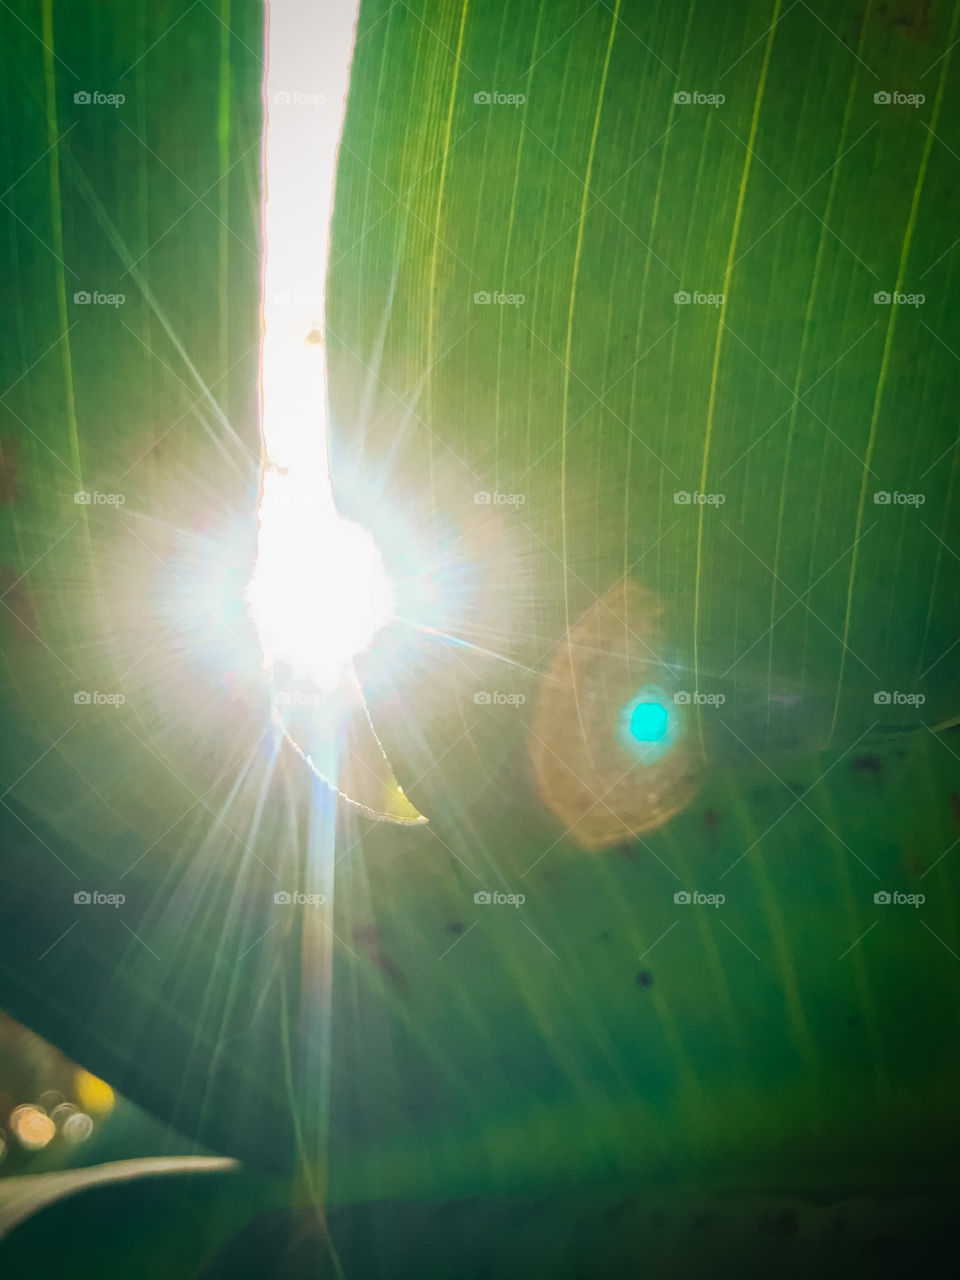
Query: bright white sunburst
[[320, 592]]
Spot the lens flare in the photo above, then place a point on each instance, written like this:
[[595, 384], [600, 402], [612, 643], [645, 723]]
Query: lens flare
[[610, 750], [648, 721]]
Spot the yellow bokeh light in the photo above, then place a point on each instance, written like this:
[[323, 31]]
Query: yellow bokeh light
[[31, 1127], [93, 1094]]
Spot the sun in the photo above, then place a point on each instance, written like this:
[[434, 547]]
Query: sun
[[319, 592]]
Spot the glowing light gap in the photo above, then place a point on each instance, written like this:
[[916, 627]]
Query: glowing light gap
[[319, 592]]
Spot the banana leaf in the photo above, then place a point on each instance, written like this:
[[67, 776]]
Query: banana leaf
[[619, 292]]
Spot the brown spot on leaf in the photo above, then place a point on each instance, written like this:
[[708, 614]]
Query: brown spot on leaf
[[618, 1210], [915, 18], [19, 610], [782, 1224], [9, 470], [390, 970], [871, 765], [913, 864], [367, 936]]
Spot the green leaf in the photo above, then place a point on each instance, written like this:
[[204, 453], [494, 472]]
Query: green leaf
[[406, 1036]]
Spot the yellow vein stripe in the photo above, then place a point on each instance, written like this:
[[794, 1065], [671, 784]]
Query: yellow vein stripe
[[741, 198], [945, 525], [854, 918], [432, 291], [658, 192], [887, 348], [804, 339], [50, 86], [786, 968], [716, 967], [569, 343], [223, 157], [511, 221]]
